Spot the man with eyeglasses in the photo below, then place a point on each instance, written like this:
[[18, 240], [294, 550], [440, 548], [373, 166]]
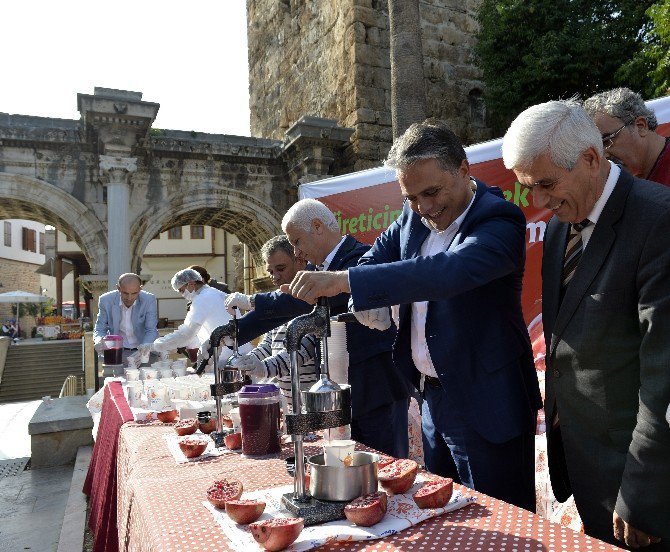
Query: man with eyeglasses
[[628, 129], [606, 314]]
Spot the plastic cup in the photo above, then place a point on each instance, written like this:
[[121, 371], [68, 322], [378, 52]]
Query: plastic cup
[[334, 452]]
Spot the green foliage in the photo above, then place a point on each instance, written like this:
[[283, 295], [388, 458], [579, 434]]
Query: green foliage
[[649, 70], [35, 309], [532, 51]]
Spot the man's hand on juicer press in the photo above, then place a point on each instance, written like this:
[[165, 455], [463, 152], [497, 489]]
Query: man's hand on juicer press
[[309, 285], [239, 300], [377, 319]]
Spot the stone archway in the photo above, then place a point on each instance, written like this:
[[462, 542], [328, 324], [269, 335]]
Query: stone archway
[[33, 199], [251, 220]]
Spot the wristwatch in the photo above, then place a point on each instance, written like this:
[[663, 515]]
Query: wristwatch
[[252, 301]]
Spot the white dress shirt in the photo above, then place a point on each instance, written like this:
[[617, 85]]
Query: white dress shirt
[[436, 242], [594, 215], [126, 326]]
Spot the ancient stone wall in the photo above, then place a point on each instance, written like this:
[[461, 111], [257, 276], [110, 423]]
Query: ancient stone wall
[[331, 59]]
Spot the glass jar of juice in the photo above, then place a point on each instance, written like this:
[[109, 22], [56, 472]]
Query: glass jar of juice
[[259, 419]]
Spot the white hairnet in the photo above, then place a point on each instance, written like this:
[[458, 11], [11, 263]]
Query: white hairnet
[[185, 276]]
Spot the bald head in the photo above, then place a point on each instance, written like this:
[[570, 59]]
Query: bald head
[[129, 287]]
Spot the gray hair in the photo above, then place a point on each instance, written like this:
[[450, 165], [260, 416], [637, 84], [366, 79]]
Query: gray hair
[[431, 139], [561, 129], [127, 278], [185, 276], [278, 243], [623, 104], [305, 211]]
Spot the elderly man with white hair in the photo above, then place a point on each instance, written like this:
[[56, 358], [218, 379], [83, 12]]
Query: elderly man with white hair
[[606, 314], [207, 313], [379, 394]]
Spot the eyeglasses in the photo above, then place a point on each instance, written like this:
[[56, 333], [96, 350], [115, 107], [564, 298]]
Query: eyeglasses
[[608, 139]]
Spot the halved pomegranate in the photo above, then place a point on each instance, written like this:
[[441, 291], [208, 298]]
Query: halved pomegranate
[[226, 421], [167, 416], [244, 511], [384, 461], [398, 477], [224, 490], [278, 533], [434, 494], [367, 510], [233, 441], [192, 447], [188, 426]]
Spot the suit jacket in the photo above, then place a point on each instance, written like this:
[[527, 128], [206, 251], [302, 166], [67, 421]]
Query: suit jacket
[[475, 330], [144, 316], [373, 383], [608, 362]]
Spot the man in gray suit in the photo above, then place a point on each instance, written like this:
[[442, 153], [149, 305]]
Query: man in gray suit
[[606, 315], [129, 312]]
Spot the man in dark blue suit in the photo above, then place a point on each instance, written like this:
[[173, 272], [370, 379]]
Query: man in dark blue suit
[[454, 262], [379, 392]]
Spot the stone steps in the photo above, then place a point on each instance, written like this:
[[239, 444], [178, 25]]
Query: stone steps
[[35, 370]]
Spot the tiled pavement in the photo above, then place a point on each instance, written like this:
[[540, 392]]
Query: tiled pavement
[[34, 503]]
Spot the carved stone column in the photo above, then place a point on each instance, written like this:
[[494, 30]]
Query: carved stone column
[[118, 171], [96, 285]]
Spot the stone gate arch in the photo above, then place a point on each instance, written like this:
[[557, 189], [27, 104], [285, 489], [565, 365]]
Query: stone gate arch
[[25, 197], [250, 219]]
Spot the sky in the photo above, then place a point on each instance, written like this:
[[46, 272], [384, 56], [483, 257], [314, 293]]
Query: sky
[[190, 57]]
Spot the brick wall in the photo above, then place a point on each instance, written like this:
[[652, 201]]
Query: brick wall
[[16, 275]]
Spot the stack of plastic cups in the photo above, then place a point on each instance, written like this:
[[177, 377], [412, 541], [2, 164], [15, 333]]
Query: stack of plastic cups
[[338, 371], [338, 356]]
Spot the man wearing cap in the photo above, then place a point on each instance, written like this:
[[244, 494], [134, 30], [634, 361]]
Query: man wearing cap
[[129, 312], [207, 312]]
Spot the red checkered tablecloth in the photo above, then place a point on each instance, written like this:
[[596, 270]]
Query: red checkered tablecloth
[[160, 507]]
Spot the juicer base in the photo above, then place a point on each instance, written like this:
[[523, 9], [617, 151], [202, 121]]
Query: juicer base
[[313, 511]]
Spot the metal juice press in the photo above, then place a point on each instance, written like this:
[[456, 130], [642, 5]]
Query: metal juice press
[[325, 405], [227, 380]]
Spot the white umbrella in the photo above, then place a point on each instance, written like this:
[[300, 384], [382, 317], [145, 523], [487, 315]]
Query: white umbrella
[[19, 297]]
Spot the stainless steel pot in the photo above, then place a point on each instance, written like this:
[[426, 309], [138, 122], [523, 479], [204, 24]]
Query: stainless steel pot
[[343, 483]]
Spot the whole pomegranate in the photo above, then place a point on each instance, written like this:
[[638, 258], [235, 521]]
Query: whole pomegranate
[[244, 511], [187, 426], [208, 426], [398, 477], [226, 421], [367, 510], [278, 533], [233, 441], [434, 494], [192, 447], [224, 490]]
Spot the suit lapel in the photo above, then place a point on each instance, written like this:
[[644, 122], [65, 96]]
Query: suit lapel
[[552, 272], [594, 255], [346, 247], [418, 232]]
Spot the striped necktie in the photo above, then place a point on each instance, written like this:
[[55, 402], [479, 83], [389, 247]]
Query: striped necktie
[[573, 252]]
